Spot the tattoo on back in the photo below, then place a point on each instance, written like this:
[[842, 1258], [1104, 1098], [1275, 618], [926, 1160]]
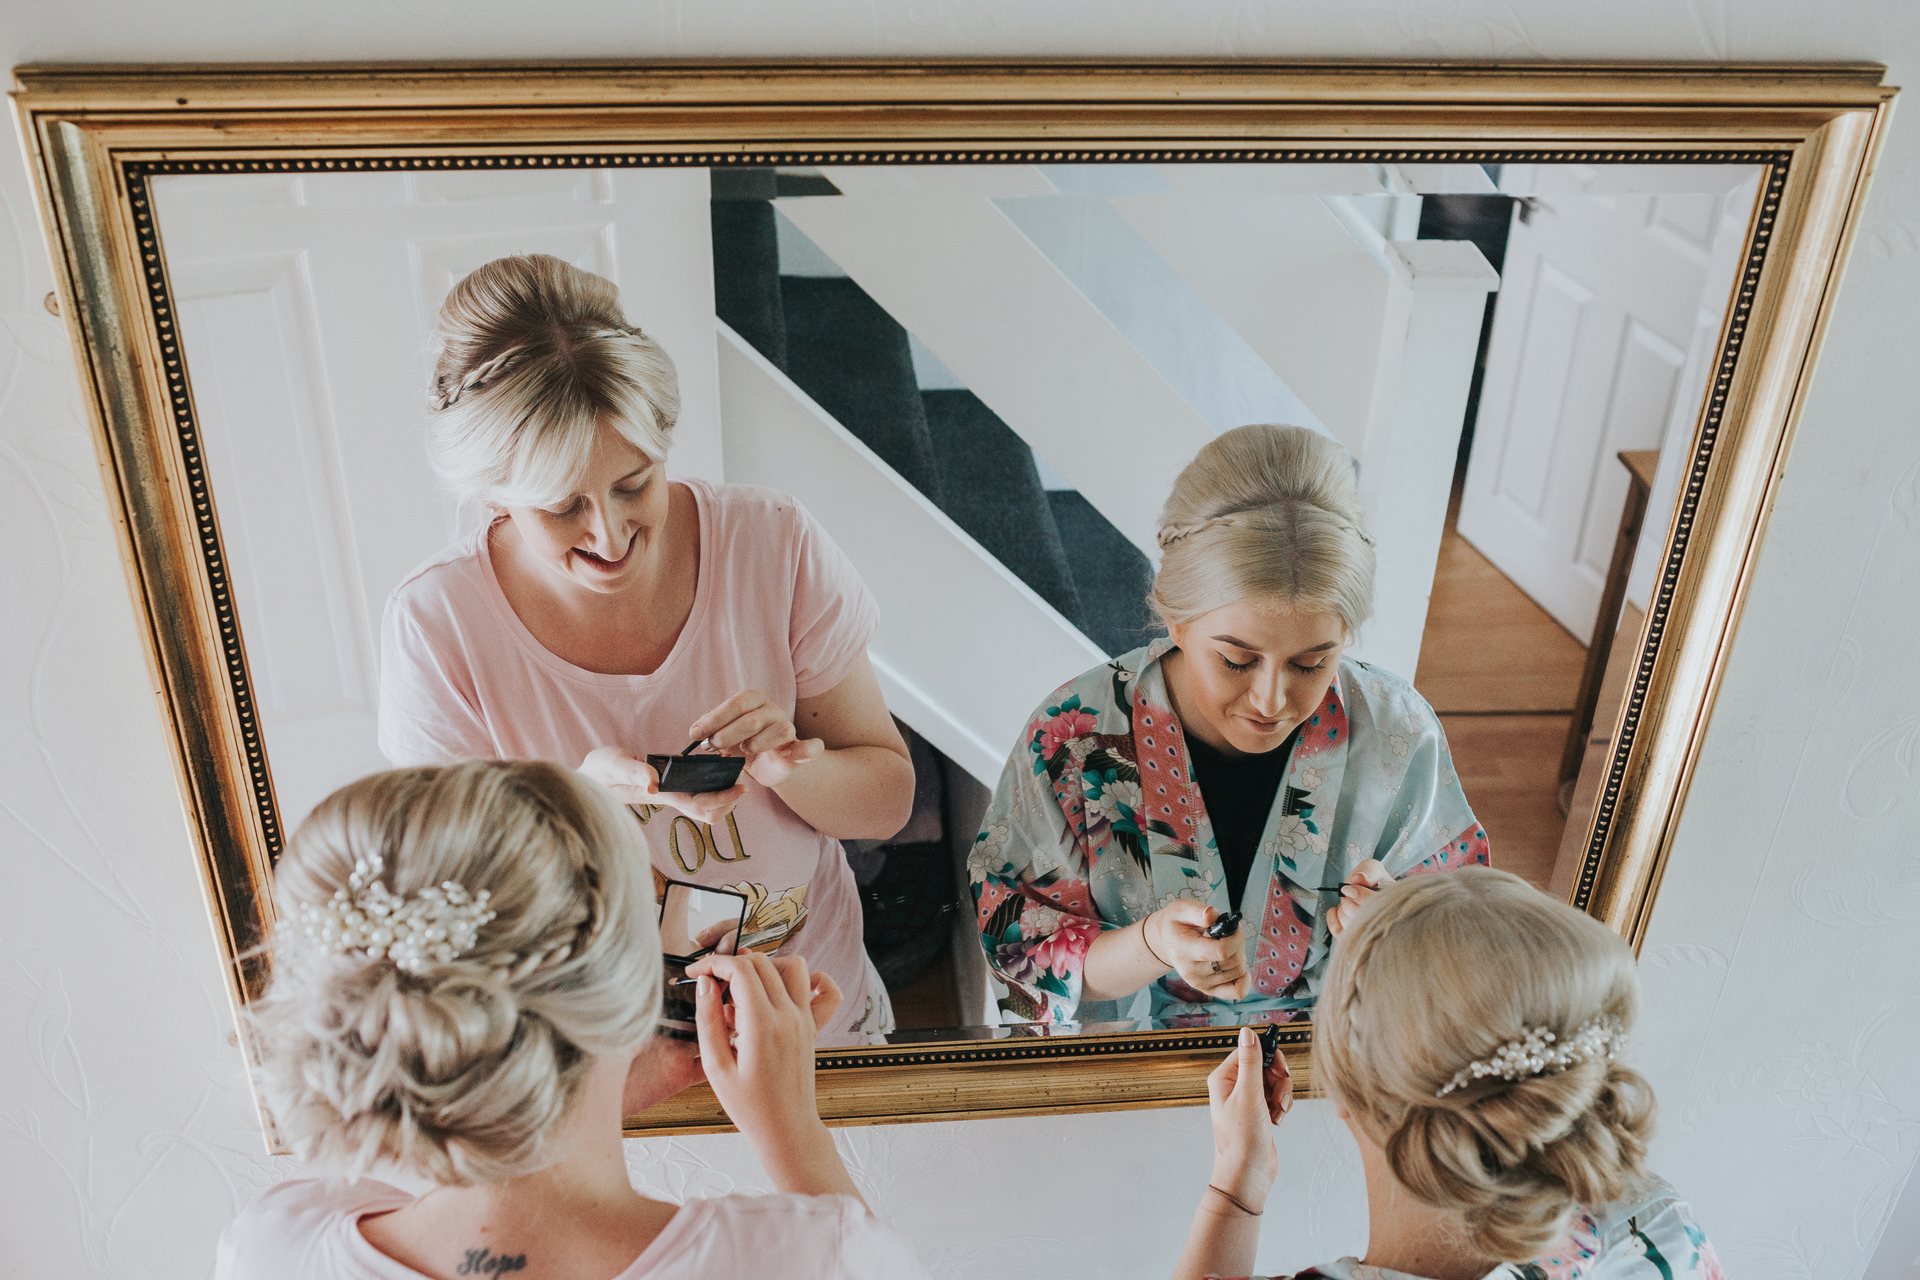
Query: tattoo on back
[[485, 1262]]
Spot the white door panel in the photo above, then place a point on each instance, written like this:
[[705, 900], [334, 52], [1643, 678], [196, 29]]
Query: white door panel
[[264, 420], [1556, 310], [1588, 357], [268, 434], [1645, 386]]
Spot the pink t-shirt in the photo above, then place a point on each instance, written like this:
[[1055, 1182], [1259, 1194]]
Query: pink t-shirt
[[310, 1230], [777, 608]]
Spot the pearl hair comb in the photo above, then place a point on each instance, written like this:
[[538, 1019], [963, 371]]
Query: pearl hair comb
[[1538, 1051], [434, 926]]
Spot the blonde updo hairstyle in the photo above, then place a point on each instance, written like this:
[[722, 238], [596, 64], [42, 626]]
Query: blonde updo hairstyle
[[1439, 971], [532, 354], [460, 1072], [1265, 513]]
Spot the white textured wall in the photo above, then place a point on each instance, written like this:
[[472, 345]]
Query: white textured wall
[[1784, 967]]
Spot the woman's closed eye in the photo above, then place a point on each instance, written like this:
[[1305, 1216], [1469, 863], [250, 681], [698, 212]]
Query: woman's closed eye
[[1306, 670], [567, 508], [1248, 665]]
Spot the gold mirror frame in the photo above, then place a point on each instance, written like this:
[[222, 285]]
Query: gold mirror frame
[[94, 134]]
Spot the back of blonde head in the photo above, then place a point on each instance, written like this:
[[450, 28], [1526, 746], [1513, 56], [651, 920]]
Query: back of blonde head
[[532, 354], [460, 1072], [1265, 513], [1439, 971]]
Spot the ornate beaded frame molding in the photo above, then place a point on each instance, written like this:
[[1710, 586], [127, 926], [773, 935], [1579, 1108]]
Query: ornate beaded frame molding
[[95, 136]]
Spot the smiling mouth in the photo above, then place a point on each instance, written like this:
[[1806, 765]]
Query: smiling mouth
[[601, 562]]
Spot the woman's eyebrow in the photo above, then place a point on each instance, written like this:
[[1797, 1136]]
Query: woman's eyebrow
[[639, 470], [1319, 648]]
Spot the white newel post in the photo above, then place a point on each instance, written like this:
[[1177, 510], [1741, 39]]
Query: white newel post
[[1431, 330]]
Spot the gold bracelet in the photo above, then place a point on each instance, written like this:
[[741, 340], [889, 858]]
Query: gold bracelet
[[1251, 1213], [1164, 966]]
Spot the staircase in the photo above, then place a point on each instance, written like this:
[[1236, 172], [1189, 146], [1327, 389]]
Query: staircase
[[855, 360]]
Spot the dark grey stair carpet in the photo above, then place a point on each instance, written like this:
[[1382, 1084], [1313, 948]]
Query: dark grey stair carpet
[[992, 490], [845, 351], [746, 271], [1110, 573]]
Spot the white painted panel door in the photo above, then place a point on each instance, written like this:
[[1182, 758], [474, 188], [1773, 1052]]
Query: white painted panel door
[[306, 305], [1589, 344]]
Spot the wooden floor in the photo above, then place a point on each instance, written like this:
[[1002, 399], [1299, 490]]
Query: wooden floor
[[1488, 647], [930, 1000], [1502, 674]]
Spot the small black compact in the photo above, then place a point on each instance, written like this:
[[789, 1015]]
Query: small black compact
[[695, 921], [689, 774]]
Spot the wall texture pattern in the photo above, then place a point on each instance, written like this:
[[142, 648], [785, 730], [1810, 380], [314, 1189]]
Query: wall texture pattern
[[1784, 967]]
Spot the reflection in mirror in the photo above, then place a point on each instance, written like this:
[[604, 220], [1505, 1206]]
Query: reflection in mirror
[[695, 921], [981, 382]]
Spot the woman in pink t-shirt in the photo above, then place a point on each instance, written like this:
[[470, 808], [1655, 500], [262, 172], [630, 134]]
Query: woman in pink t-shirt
[[466, 967], [609, 611]]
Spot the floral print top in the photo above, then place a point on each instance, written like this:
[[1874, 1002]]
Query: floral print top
[[1097, 822], [1652, 1236]]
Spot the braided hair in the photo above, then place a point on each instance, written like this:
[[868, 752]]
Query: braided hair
[[461, 1070]]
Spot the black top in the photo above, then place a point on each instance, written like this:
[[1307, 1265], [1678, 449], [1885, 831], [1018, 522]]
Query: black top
[[1239, 792]]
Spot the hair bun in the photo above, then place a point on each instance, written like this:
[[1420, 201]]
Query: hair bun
[[461, 1069], [416, 1069], [1518, 1158], [1282, 517]]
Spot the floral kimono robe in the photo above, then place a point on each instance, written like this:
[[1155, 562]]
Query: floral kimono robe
[[1097, 823]]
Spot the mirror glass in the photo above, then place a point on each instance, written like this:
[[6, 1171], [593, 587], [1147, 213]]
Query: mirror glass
[[981, 382], [695, 921]]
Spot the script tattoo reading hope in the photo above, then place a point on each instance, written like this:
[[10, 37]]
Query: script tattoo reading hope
[[485, 1262]]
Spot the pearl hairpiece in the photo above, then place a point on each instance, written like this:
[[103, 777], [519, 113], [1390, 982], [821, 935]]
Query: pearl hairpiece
[[434, 926], [1538, 1051]]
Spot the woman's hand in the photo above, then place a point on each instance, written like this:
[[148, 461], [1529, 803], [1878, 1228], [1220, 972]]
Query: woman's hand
[[750, 724], [633, 781], [1216, 967], [1245, 1100], [1366, 880], [762, 1068], [719, 938], [825, 995]]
